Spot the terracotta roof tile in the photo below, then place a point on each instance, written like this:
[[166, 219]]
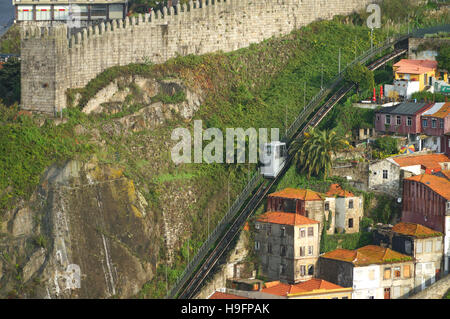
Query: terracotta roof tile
[[221, 295], [367, 255], [286, 219], [446, 173], [439, 185], [303, 194], [415, 66], [427, 161], [282, 289], [337, 190], [415, 230]]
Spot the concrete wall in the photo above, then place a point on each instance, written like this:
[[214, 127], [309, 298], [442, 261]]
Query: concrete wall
[[225, 25], [391, 184], [436, 291]]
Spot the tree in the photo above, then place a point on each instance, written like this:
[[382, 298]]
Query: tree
[[387, 145], [360, 76], [443, 57], [313, 155], [10, 81]]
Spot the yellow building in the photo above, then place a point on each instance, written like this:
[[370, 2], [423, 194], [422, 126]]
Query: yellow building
[[419, 70]]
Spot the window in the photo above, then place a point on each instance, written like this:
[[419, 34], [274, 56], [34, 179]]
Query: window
[[98, 12], [282, 269], [408, 247], [371, 297], [269, 248], [350, 203], [419, 248], [406, 271], [269, 229], [25, 13], [257, 226], [344, 297], [388, 119], [307, 214], [257, 245], [397, 272], [282, 231], [350, 223], [438, 246], [399, 120], [302, 270], [302, 232], [302, 251], [433, 123], [310, 250], [387, 273], [310, 270], [289, 206], [424, 122], [409, 121], [428, 246], [310, 231], [327, 206], [282, 250], [43, 13], [116, 11], [441, 123], [385, 174]]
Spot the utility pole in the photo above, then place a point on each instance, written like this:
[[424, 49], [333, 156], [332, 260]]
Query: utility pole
[[371, 39], [228, 193], [304, 98], [339, 60], [285, 120], [321, 81]]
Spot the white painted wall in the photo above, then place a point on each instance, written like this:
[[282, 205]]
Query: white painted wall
[[366, 282], [415, 169]]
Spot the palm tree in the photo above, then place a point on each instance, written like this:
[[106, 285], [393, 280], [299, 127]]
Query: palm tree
[[313, 153]]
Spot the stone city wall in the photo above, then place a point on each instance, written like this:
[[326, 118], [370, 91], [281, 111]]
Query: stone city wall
[[52, 63]]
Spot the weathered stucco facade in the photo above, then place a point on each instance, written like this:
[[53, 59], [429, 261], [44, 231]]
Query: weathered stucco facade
[[52, 63], [287, 251]]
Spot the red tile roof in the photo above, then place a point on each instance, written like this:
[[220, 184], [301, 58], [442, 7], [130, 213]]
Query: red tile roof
[[221, 295], [337, 190], [439, 185], [427, 161], [303, 194], [415, 66], [446, 173], [286, 219], [415, 230], [367, 255], [312, 285]]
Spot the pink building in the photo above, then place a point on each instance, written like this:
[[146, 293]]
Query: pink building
[[404, 118]]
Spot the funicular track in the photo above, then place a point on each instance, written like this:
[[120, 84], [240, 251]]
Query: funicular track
[[249, 200]]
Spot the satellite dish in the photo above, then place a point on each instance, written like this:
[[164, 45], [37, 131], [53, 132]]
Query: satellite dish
[[399, 200]]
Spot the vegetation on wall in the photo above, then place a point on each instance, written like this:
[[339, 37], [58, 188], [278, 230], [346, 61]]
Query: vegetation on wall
[[428, 97], [10, 82]]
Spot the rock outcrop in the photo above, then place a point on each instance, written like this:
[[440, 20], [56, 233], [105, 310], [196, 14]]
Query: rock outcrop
[[87, 232]]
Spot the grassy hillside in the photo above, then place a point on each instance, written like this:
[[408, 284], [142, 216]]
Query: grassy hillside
[[259, 86]]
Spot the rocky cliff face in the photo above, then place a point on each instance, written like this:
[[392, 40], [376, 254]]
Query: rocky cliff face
[[86, 233]]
